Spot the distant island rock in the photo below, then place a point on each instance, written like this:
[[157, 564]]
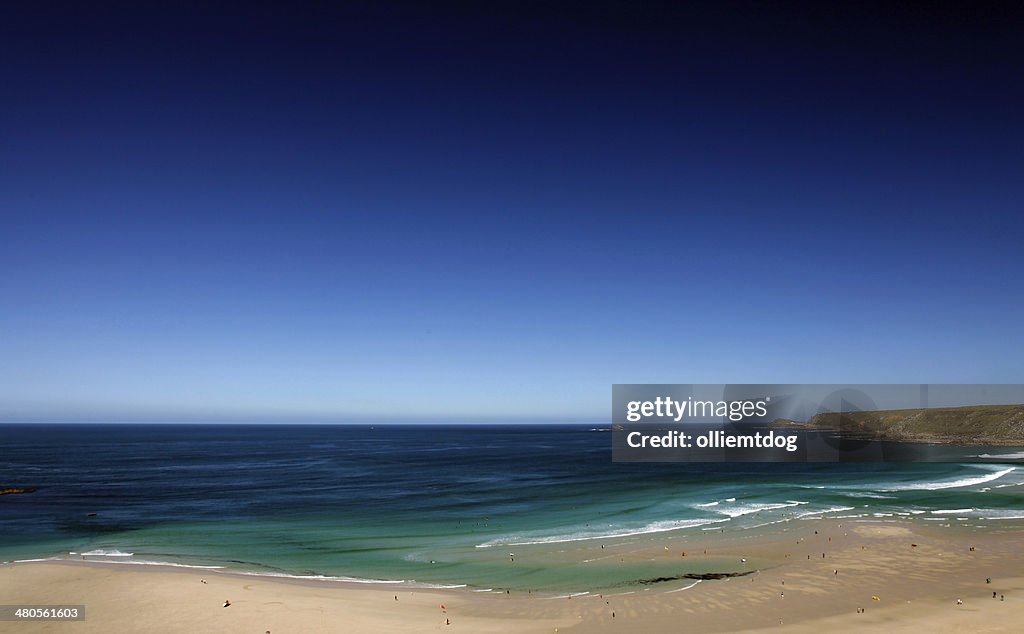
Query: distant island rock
[[15, 491], [972, 425]]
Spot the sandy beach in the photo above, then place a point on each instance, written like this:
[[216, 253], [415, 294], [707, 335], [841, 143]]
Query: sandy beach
[[809, 576]]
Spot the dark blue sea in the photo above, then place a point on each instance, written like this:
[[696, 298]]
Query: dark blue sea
[[481, 506]]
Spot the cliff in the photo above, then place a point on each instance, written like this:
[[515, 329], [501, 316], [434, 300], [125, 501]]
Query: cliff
[[973, 425]]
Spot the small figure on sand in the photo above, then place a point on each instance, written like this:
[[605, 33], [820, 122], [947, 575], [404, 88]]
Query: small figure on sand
[[959, 601], [227, 604]]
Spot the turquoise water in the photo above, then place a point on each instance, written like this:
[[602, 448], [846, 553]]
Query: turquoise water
[[441, 505]]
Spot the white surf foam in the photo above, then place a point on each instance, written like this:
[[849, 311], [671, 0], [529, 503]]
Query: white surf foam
[[172, 564], [755, 507], [831, 509], [654, 527], [950, 484], [684, 587], [107, 553], [1001, 514], [715, 503], [284, 575]]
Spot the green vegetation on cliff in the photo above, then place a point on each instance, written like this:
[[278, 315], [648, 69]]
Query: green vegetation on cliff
[[977, 424]]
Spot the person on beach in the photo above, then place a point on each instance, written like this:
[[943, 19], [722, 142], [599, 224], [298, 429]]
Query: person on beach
[[227, 604]]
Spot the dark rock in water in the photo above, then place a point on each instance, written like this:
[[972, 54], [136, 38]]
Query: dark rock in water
[[705, 576], [14, 491]]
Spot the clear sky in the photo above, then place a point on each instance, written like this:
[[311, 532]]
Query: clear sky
[[483, 212]]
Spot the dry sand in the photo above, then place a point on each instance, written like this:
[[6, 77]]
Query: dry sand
[[794, 590]]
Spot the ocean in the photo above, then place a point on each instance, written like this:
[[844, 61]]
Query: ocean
[[486, 507]]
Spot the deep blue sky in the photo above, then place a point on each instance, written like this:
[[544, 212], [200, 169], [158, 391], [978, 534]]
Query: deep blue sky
[[384, 212]]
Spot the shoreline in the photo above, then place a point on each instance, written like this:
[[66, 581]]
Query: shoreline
[[917, 572], [712, 554]]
